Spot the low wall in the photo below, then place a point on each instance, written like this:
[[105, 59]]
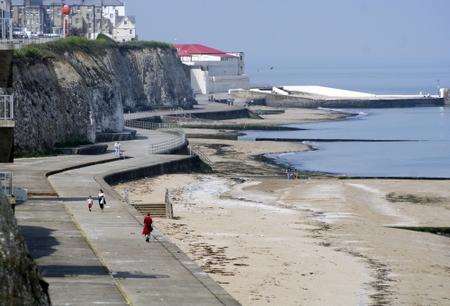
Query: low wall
[[289, 102], [189, 165], [274, 100]]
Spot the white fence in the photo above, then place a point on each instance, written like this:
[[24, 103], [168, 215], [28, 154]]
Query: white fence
[[146, 125], [177, 140], [6, 107], [6, 186], [195, 150]]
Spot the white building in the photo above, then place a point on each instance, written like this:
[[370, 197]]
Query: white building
[[113, 9], [5, 22], [124, 29], [212, 70]]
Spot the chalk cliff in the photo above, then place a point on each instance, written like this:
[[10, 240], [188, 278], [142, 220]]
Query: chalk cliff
[[20, 282], [69, 96]]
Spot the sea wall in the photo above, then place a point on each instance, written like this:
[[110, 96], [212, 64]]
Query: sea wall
[[188, 165], [73, 94], [20, 282], [289, 101]]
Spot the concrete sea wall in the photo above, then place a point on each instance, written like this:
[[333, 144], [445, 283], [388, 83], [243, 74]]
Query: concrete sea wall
[[289, 101], [188, 165]]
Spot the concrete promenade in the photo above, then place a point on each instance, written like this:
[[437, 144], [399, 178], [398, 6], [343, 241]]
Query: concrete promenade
[[100, 257]]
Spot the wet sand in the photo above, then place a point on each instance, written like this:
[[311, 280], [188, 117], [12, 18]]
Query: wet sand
[[320, 241]]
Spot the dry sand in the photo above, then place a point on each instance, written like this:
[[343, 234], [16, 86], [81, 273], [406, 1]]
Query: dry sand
[[320, 241]]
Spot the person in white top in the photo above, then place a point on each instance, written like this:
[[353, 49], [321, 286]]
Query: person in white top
[[117, 149], [101, 200]]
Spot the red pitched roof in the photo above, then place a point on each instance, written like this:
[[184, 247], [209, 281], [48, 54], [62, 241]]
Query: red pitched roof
[[190, 49]]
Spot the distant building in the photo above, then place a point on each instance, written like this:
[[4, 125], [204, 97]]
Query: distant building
[[28, 16], [5, 8], [213, 70], [88, 18], [125, 29], [5, 14]]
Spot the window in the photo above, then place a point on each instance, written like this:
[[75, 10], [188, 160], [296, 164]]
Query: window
[[131, 32]]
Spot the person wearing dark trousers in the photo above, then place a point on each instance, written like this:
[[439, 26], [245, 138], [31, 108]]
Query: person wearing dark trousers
[[101, 200]]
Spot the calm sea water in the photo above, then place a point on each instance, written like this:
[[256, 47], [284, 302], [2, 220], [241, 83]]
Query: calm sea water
[[427, 154]]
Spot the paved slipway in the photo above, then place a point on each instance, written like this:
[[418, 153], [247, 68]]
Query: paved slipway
[[100, 257]]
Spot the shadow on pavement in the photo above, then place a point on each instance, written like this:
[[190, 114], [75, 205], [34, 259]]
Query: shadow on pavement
[[124, 274], [39, 240], [69, 270]]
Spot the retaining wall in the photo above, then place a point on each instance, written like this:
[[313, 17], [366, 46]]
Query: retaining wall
[[189, 165], [274, 100]]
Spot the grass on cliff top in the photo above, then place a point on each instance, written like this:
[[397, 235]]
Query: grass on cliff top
[[76, 43]]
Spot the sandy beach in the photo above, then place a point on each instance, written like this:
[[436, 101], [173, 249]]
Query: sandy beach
[[317, 241]]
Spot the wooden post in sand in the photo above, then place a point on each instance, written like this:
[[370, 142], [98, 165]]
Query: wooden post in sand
[[169, 207]]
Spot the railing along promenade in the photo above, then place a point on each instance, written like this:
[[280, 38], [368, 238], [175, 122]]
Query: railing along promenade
[[6, 111], [177, 140], [6, 186], [171, 144]]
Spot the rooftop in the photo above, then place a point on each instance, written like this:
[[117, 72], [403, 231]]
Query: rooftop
[[198, 49]]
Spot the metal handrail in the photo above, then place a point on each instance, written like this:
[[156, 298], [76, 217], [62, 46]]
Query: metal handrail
[[173, 143], [6, 107], [6, 186], [195, 150], [147, 125]]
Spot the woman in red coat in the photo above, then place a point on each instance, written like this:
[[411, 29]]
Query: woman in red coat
[[147, 230]]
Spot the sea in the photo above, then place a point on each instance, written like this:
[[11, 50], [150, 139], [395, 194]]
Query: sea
[[394, 142]]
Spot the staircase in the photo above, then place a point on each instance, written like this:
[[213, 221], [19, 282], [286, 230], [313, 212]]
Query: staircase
[[155, 210]]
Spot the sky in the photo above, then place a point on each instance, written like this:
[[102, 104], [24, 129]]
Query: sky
[[286, 31]]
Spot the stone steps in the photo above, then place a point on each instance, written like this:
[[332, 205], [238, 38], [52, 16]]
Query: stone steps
[[156, 210]]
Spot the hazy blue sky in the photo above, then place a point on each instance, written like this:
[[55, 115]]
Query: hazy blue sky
[[282, 31]]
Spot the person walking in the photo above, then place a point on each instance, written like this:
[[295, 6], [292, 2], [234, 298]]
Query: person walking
[[117, 149], [101, 200], [148, 228], [90, 203]]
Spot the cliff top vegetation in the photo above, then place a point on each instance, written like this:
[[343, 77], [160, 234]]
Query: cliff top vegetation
[[74, 43]]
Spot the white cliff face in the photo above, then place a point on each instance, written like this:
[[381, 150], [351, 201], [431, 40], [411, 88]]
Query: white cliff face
[[20, 282], [63, 99]]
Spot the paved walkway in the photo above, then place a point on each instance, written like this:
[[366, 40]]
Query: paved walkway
[[155, 273], [75, 274]]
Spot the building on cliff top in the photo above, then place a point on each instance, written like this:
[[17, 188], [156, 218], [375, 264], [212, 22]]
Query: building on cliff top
[[213, 70], [88, 18], [5, 19]]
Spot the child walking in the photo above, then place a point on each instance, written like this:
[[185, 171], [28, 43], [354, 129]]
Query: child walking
[[90, 202]]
